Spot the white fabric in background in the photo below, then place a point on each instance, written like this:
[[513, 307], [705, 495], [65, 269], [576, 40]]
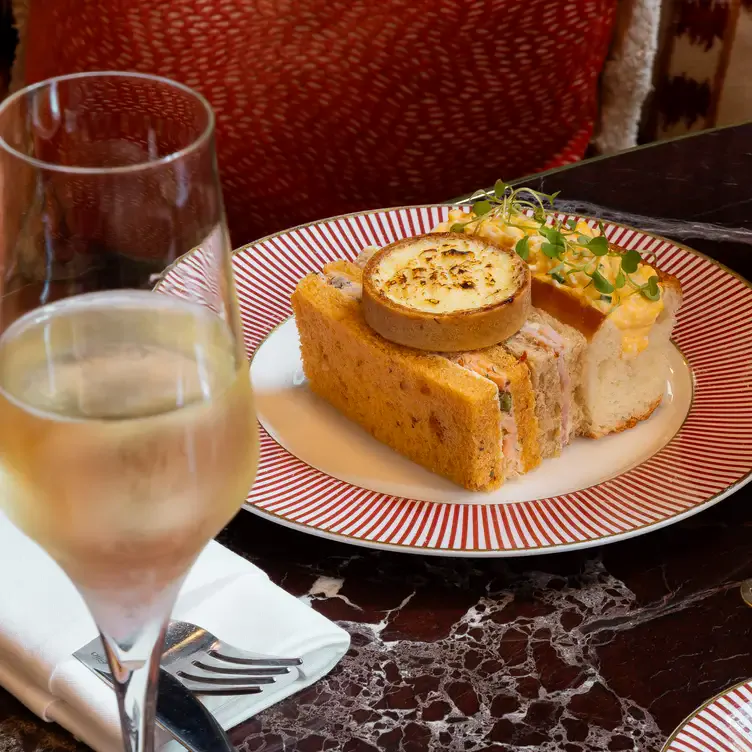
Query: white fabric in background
[[627, 76]]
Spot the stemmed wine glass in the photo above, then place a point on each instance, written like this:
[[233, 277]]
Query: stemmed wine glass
[[128, 433]]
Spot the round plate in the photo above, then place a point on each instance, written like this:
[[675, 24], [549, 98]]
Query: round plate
[[722, 724], [321, 474]]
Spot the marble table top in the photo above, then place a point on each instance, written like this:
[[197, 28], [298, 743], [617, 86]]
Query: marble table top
[[603, 649]]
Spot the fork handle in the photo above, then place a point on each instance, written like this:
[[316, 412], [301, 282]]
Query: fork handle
[[177, 709]]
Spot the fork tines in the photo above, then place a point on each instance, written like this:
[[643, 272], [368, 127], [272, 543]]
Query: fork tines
[[260, 671], [254, 661], [223, 674]]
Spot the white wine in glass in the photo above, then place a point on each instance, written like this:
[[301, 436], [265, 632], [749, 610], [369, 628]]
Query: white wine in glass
[[129, 438]]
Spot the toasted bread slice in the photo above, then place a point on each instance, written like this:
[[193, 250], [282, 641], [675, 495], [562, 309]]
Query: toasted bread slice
[[446, 292], [517, 401], [423, 406]]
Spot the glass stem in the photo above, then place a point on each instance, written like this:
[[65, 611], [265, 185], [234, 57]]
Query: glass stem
[[136, 681]]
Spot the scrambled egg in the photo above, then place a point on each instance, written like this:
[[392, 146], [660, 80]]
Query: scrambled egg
[[627, 309]]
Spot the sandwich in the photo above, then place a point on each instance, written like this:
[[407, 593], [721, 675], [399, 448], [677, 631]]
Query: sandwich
[[554, 354], [467, 416], [478, 417], [487, 347], [621, 308]]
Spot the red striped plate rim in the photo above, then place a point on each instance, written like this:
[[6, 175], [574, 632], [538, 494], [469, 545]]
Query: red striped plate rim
[[707, 460], [722, 724]]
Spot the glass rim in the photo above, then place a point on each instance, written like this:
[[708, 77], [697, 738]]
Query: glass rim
[[197, 143]]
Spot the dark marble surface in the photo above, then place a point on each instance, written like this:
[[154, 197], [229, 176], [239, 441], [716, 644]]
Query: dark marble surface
[[603, 649]]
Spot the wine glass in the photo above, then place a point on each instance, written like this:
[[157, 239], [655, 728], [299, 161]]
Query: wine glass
[[128, 433]]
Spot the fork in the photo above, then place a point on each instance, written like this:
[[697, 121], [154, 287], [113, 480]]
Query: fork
[[208, 666]]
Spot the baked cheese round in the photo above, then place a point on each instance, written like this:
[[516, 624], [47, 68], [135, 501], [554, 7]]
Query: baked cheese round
[[446, 292]]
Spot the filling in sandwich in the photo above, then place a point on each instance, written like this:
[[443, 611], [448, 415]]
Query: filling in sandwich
[[546, 336], [344, 284], [365, 255], [510, 441]]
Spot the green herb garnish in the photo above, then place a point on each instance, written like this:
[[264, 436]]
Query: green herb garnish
[[500, 189], [514, 206], [630, 261], [598, 246], [601, 283], [481, 208], [553, 236], [651, 290], [505, 402], [523, 248], [551, 250]]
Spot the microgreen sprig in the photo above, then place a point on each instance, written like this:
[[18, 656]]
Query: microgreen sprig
[[514, 207]]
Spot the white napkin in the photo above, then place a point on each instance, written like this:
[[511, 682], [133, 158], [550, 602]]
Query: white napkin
[[43, 621]]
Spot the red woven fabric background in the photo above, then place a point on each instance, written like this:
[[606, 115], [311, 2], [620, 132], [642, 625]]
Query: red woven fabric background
[[327, 106]]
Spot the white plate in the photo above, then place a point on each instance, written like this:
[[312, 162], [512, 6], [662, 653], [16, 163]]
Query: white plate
[[321, 474]]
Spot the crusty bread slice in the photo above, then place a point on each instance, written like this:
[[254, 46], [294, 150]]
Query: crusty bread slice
[[617, 392], [425, 407]]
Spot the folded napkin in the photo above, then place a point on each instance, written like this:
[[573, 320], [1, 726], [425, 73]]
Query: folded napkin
[[43, 621]]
